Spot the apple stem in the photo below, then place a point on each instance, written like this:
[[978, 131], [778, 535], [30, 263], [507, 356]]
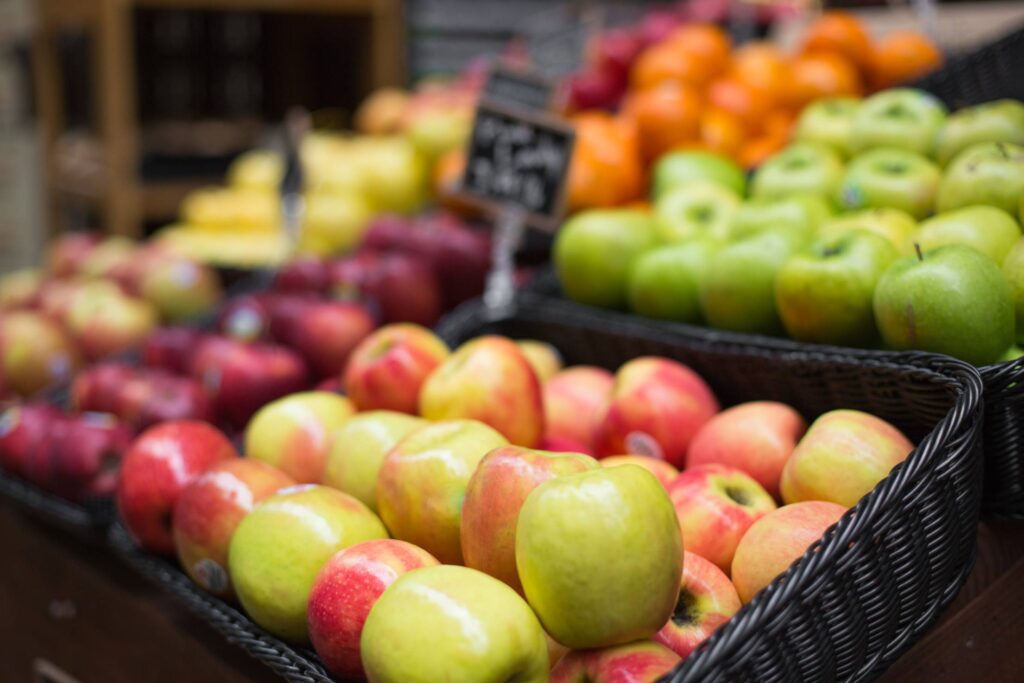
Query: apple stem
[[917, 248]]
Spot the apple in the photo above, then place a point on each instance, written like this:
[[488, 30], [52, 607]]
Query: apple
[[825, 293], [570, 526], [665, 472], [160, 463], [861, 446], [327, 332], [829, 123], [86, 452], [247, 317], [575, 401], [1013, 270], [641, 661], [543, 358], [756, 437], [998, 121], [21, 289], [490, 380], [664, 282], [171, 348], [388, 368], [209, 510], [737, 290], [244, 377], [108, 256], [615, 50], [58, 297], [453, 623], [332, 222], [401, 287], [990, 230], [953, 300], [716, 504], [801, 168], [97, 388], [892, 224], [893, 178], [898, 118], [180, 289], [777, 540], [680, 168], [657, 406], [106, 325], [494, 496], [581, 252], [595, 89], [295, 433], [802, 214], [146, 397], [358, 451], [344, 592], [989, 173], [23, 429], [423, 480], [35, 353], [395, 175], [707, 599], [302, 274], [65, 253], [278, 549], [699, 208]]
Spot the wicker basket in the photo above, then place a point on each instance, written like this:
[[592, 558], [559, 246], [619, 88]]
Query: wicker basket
[[881, 576], [89, 518], [989, 73]]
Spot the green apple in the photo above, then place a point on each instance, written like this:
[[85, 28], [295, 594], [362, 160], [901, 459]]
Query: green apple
[[1013, 269], [824, 294], [999, 121], [892, 224], [803, 168], [737, 290], [898, 118], [600, 554], [665, 280], [802, 213], [698, 208], [991, 231], [449, 623], [676, 169], [828, 122], [279, 547], [953, 300], [1012, 353], [894, 178], [987, 173], [594, 252]]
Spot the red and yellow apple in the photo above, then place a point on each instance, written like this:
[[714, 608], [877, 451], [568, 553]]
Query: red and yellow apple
[[707, 599], [575, 401], [35, 353], [665, 472], [641, 662], [543, 357], [388, 368]]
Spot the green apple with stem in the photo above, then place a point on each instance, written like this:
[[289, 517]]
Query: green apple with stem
[[990, 230], [998, 121], [583, 248], [803, 213], [1013, 269], [676, 169], [953, 300], [986, 173], [828, 122], [665, 281], [893, 224], [898, 118], [825, 293], [894, 178], [802, 168], [697, 208]]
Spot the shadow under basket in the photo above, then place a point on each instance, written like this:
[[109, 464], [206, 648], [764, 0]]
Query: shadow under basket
[[91, 517], [877, 579]]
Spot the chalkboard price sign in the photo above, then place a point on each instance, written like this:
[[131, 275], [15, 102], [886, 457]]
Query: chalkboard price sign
[[518, 160]]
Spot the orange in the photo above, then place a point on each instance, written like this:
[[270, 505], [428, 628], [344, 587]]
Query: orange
[[840, 33], [779, 123], [606, 169], [447, 176], [903, 56], [822, 75], [748, 104], [764, 67], [721, 132], [670, 62], [708, 42], [664, 116], [757, 150]]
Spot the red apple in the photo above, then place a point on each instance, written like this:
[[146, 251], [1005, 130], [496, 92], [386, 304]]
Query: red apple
[[776, 540], [575, 401], [151, 396], [665, 472], [595, 89], [388, 368], [496, 492], [345, 590], [22, 430], [327, 333], [641, 662], [158, 466], [615, 50], [707, 599], [98, 388], [657, 24], [65, 254], [86, 455], [209, 509], [487, 379], [656, 408], [171, 348], [401, 287], [716, 505], [303, 274], [755, 437], [246, 317], [105, 325], [35, 353]]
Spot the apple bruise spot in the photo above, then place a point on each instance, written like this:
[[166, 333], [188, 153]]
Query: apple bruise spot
[[685, 612]]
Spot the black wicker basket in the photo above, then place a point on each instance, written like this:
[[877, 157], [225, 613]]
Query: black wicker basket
[[989, 73], [91, 517], [879, 577]]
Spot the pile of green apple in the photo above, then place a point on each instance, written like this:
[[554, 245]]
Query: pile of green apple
[[888, 223], [484, 514]]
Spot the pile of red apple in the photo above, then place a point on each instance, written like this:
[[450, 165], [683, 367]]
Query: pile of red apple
[[413, 528]]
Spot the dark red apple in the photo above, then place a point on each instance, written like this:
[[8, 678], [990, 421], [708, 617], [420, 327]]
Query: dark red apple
[[171, 348], [22, 430], [153, 396], [86, 455], [327, 332], [615, 50], [304, 274], [595, 89], [97, 388], [246, 317]]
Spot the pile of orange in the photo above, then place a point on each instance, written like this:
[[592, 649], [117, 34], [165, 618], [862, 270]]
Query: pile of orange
[[694, 90]]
